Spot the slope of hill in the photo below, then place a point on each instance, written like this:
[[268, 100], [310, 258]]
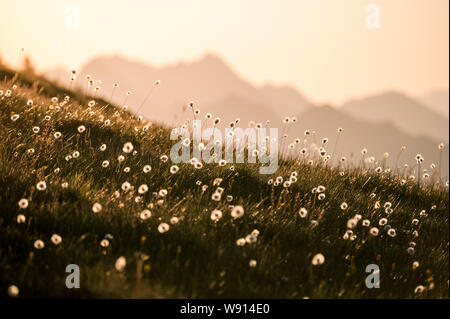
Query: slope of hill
[[407, 114], [377, 138], [75, 189]]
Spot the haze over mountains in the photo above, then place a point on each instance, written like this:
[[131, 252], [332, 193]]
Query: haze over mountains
[[381, 123], [438, 101], [402, 111]]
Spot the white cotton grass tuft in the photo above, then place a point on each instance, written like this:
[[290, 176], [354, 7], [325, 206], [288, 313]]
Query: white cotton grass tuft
[[56, 239], [126, 186], [13, 291], [318, 259], [39, 244], [216, 215], [128, 147], [120, 264], [163, 227], [23, 203], [419, 289], [374, 231], [41, 186], [237, 211], [146, 168], [303, 212], [97, 208], [104, 243], [145, 214], [21, 219], [392, 232], [143, 189]]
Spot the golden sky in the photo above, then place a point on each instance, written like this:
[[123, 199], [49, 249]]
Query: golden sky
[[321, 47]]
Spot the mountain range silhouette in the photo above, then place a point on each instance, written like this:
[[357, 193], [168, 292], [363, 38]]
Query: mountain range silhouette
[[381, 123]]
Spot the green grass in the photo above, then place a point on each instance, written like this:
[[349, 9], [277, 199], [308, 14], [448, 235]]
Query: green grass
[[197, 257]]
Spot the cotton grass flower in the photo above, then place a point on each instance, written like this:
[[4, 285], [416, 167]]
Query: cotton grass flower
[[104, 243], [145, 214], [366, 223], [419, 289], [105, 164], [251, 239], [21, 219], [318, 259], [374, 231], [41, 186], [216, 215], [146, 169], [81, 128], [120, 264], [174, 169], [237, 211], [174, 220], [56, 239], [240, 242], [391, 232], [198, 165], [128, 147], [162, 192], [163, 227], [97, 208], [23, 203], [126, 186], [252, 263], [143, 189], [303, 212], [39, 244], [13, 291]]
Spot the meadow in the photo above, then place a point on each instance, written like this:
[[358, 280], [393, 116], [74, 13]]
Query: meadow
[[88, 183]]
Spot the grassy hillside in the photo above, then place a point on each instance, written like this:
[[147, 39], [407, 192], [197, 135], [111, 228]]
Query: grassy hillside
[[196, 257]]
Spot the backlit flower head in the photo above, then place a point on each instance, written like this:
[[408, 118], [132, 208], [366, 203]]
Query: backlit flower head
[[318, 259]]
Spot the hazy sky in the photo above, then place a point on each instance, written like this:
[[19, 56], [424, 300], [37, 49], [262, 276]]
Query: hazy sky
[[322, 47]]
